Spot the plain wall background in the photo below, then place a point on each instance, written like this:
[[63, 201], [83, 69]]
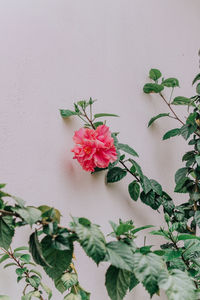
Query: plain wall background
[[53, 53]]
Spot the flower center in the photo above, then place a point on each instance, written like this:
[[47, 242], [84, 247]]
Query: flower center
[[87, 150]]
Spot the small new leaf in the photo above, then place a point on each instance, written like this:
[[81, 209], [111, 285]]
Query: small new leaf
[[154, 74], [66, 113]]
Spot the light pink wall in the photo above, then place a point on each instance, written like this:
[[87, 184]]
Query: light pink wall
[[55, 52]]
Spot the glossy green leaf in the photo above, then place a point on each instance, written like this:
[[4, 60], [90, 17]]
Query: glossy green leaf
[[155, 74], [6, 231], [152, 88], [66, 281], [36, 250], [171, 82], [4, 257], [104, 115], [197, 158], [29, 214], [92, 240], [185, 236], [198, 88], [156, 187], [141, 228], [120, 255], [182, 101], [157, 117], [72, 296], [134, 190], [146, 185], [171, 133], [115, 174], [66, 113], [47, 290], [53, 256], [147, 268], [180, 174], [197, 77], [126, 148], [177, 285], [197, 218], [117, 282]]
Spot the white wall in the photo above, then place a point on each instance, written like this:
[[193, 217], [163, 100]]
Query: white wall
[[55, 52]]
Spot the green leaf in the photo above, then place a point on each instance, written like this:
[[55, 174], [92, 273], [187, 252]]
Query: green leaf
[[117, 282], [4, 297], [72, 296], [156, 187], [66, 282], [122, 228], [34, 281], [197, 77], [146, 185], [171, 133], [185, 236], [6, 231], [115, 174], [177, 285], [197, 218], [182, 101], [133, 282], [84, 295], [36, 272], [150, 200], [36, 250], [20, 271], [171, 82], [120, 255], [66, 113], [147, 268], [21, 248], [104, 115], [157, 117], [53, 256], [180, 174], [198, 88], [19, 201], [4, 257], [92, 240], [134, 190], [141, 228], [155, 74], [152, 88], [181, 186], [25, 258], [126, 148], [30, 214], [9, 265], [137, 167], [197, 158], [30, 295], [47, 290]]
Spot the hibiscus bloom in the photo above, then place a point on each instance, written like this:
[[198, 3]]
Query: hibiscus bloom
[[94, 147]]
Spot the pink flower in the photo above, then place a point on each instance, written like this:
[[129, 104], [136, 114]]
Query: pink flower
[[94, 148]]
